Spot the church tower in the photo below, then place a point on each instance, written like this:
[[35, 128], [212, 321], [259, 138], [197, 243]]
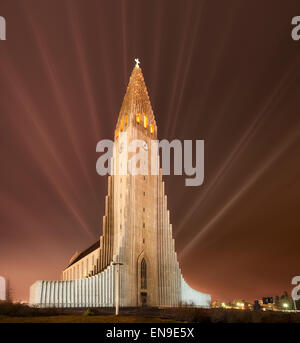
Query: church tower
[[136, 227], [150, 273]]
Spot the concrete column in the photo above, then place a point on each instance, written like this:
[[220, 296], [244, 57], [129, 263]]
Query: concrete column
[[51, 293], [55, 293], [79, 293], [97, 290], [68, 293], [75, 302], [43, 300], [47, 294], [90, 292], [83, 293], [72, 293], [93, 291], [109, 293], [60, 296], [64, 294], [113, 283], [102, 289], [105, 288]]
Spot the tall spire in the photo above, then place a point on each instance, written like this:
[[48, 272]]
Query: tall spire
[[136, 99]]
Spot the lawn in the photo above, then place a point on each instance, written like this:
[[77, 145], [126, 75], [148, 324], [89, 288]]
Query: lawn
[[84, 319]]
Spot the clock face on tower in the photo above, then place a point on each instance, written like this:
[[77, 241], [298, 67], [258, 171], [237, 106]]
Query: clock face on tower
[[145, 146]]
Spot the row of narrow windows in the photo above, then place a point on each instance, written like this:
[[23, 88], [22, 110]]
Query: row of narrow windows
[[81, 270], [145, 121], [124, 123]]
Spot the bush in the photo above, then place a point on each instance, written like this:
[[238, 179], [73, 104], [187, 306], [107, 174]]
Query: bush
[[92, 312]]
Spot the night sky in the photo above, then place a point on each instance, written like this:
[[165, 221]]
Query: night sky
[[226, 72]]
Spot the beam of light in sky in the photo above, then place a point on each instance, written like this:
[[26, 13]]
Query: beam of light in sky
[[40, 159], [241, 146], [84, 73], [243, 189], [65, 115]]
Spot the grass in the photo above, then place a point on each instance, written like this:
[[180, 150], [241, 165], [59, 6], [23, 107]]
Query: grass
[[18, 313]]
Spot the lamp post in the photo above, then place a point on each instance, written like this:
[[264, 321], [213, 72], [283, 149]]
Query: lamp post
[[117, 287], [285, 305]]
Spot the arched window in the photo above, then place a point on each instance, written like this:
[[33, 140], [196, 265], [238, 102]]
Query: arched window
[[151, 128], [143, 274], [145, 121], [121, 125]]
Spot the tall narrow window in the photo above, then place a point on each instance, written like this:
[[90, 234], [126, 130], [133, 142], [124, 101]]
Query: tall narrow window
[[117, 133], [145, 121], [143, 274], [121, 125], [151, 128], [138, 117], [126, 119]]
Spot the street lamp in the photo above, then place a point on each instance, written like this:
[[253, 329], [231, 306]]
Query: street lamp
[[285, 305], [117, 287]]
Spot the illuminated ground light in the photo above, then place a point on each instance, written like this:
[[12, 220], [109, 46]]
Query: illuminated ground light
[[240, 305]]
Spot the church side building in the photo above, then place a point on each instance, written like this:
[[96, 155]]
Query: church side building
[[136, 231], [3, 289]]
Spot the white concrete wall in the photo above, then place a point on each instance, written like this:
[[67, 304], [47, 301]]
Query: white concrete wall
[[2, 288], [190, 296], [95, 291]]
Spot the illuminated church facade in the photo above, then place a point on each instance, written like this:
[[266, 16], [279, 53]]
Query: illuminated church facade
[[136, 232]]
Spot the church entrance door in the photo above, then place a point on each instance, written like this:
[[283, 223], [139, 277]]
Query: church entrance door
[[143, 298]]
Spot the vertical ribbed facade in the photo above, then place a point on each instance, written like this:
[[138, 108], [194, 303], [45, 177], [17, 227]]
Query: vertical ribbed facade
[[95, 291]]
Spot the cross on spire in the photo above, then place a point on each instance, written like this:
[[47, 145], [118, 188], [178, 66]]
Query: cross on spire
[[137, 62]]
